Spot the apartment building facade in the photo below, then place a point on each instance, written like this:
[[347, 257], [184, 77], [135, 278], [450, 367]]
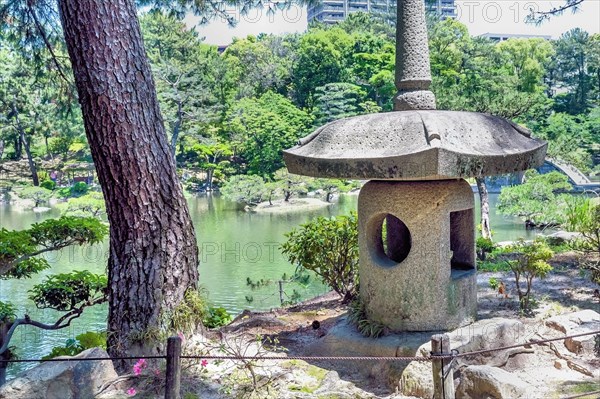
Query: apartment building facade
[[334, 11]]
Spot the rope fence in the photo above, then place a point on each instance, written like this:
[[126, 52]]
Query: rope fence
[[441, 357]]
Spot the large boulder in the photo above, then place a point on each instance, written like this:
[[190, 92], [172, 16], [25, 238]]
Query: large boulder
[[417, 377], [581, 322], [486, 382], [62, 380]]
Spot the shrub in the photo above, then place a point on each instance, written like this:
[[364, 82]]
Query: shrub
[[484, 246], [39, 195], [81, 342], [216, 317], [48, 184], [583, 216], [78, 189], [328, 247], [528, 261]]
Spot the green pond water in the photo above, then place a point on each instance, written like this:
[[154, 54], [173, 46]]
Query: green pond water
[[234, 245]]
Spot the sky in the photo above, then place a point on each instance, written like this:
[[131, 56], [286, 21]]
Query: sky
[[480, 16]]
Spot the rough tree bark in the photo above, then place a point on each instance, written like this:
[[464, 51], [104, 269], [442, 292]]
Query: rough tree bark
[[153, 252]]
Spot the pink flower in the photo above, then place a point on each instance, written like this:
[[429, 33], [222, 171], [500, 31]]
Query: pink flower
[[204, 363], [139, 366], [157, 372], [131, 391], [180, 335]]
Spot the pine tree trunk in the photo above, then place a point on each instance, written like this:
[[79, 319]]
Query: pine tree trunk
[[484, 200], [153, 252]]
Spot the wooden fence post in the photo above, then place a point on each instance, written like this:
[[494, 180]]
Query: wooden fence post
[[443, 375], [173, 377]]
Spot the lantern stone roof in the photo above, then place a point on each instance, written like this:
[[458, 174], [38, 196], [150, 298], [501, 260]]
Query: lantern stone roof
[[416, 145]]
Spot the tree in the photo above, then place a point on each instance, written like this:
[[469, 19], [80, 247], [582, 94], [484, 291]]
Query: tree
[[22, 103], [329, 248], [583, 216], [38, 195], [290, 184], [569, 138], [340, 100], [571, 51], [153, 252], [89, 205], [528, 261], [536, 200], [256, 69], [69, 293], [322, 56], [210, 155], [264, 127], [248, 190], [183, 68], [538, 17], [332, 186]]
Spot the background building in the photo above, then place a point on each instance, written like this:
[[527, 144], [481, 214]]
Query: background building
[[333, 11], [500, 37]]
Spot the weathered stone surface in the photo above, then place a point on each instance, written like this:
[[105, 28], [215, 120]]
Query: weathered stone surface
[[414, 99], [485, 382], [413, 378], [417, 379], [560, 237], [62, 380], [416, 145], [577, 323], [431, 285]]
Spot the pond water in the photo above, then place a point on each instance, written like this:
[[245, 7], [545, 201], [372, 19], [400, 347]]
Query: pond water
[[234, 246]]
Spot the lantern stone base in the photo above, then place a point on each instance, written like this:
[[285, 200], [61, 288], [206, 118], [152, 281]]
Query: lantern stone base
[[417, 254]]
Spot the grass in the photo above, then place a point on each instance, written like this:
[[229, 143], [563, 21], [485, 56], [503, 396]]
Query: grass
[[579, 387], [493, 266]]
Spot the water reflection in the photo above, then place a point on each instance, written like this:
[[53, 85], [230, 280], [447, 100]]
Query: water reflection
[[234, 246]]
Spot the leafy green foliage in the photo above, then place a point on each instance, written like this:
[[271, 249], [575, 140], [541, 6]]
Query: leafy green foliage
[[357, 315], [68, 291], [264, 127], [528, 261], [48, 185], [216, 317], [72, 347], [190, 313], [19, 248], [38, 195], [570, 138], [249, 190], [329, 248], [340, 100], [494, 283], [8, 312], [89, 205], [583, 216], [78, 189], [483, 246], [536, 199]]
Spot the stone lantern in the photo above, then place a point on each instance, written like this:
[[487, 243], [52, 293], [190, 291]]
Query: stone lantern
[[416, 214]]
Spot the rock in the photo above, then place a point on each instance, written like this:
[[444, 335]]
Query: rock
[[559, 364], [417, 377], [485, 382], [62, 380], [41, 209], [577, 323], [560, 237]]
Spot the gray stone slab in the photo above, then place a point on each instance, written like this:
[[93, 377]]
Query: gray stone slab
[[416, 145]]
